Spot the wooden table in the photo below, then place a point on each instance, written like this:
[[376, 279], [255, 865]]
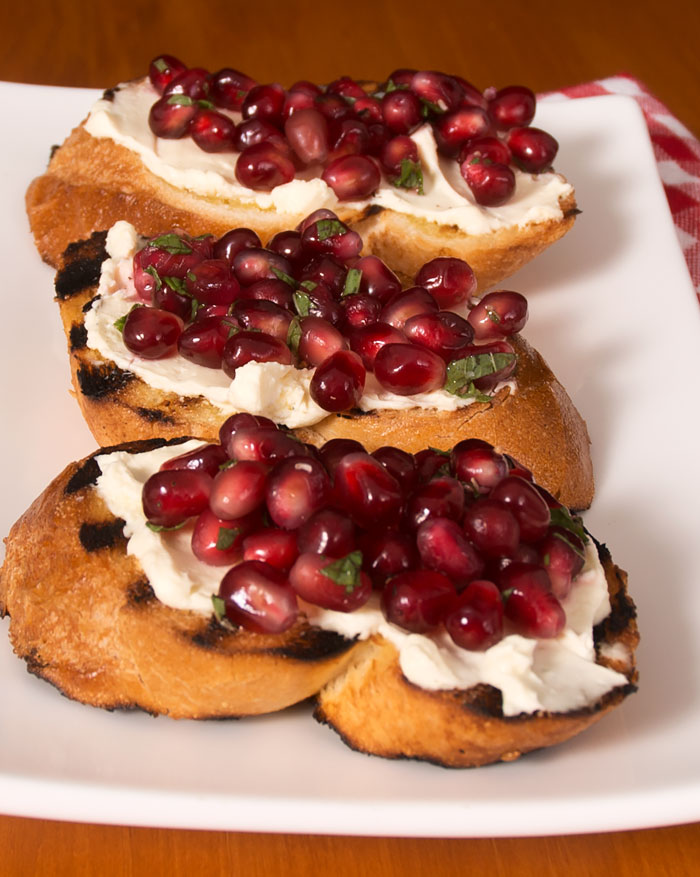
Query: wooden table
[[545, 45]]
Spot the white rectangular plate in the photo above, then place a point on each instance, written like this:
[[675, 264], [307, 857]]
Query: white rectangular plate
[[613, 310]]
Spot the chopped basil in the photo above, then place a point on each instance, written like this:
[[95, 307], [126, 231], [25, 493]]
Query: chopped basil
[[302, 303], [205, 104], [280, 275], [428, 107], [562, 538], [191, 275], [411, 176], [308, 285], [160, 65], [233, 328], [294, 335], [439, 451], [181, 100], [119, 323], [219, 607], [328, 228], [346, 571], [352, 282], [561, 517], [155, 275], [394, 86], [461, 373], [171, 243], [492, 315], [177, 285], [157, 528], [226, 537]]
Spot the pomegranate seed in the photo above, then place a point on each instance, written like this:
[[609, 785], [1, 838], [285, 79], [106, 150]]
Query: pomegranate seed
[[395, 152], [443, 92], [338, 382], [263, 167], [307, 133], [498, 315], [163, 69], [491, 184], [352, 177], [349, 137], [472, 96], [492, 528], [213, 283], [450, 281], [202, 342], [485, 148], [417, 600], [229, 88], [264, 316], [319, 340], [443, 497], [406, 304], [378, 134], [333, 237], [151, 333], [217, 541], [321, 213], [249, 346], [253, 132], [296, 101], [251, 264], [455, 129], [530, 605], [368, 340], [273, 546], [336, 584], [346, 87], [288, 245], [475, 620], [386, 554], [512, 106], [562, 556], [522, 554], [324, 271], [171, 497], [319, 302], [401, 76], [369, 109], [406, 369], [229, 245], [333, 107], [192, 82], [431, 462], [327, 532], [476, 463], [232, 424], [360, 310], [208, 458], [364, 489], [488, 382], [212, 131], [377, 279], [401, 111], [238, 490], [532, 149], [443, 547], [444, 332], [171, 116], [306, 87], [333, 451], [172, 255], [296, 488], [263, 443], [166, 298], [526, 504], [276, 292], [257, 597], [399, 464], [264, 102]]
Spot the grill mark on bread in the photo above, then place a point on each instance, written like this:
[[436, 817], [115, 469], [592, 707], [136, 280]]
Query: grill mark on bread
[[85, 476], [212, 634], [101, 381], [155, 415], [54, 149], [106, 534], [81, 268], [314, 644], [140, 593], [89, 304], [108, 93], [77, 337]]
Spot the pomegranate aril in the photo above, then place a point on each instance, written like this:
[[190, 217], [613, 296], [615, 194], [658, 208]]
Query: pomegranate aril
[[417, 600], [203, 341], [500, 358], [253, 132], [230, 244], [491, 184], [306, 87], [532, 149], [408, 303], [360, 310], [251, 264], [498, 315], [337, 584], [478, 464], [366, 491], [338, 382], [228, 88], [263, 167], [472, 97], [208, 459], [401, 111], [443, 92], [170, 117], [406, 369], [297, 100], [151, 333], [333, 237], [265, 317], [212, 282], [475, 620], [276, 292], [562, 555], [296, 488], [232, 424], [264, 102], [387, 553], [529, 603], [333, 107], [346, 87], [512, 106], [319, 340], [526, 504], [288, 245], [264, 443], [378, 134], [352, 177], [217, 541], [443, 497], [172, 255], [273, 546], [396, 152], [250, 346], [444, 332], [400, 76], [368, 340], [377, 279], [163, 69], [327, 532], [238, 489], [324, 271], [333, 451], [450, 281], [321, 213], [212, 131], [167, 298], [485, 149], [400, 464], [193, 82], [170, 497], [307, 133], [257, 597], [349, 137], [455, 129], [431, 462], [369, 109], [492, 528], [443, 547]]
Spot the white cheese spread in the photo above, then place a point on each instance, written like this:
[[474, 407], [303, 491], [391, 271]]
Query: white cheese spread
[[447, 200], [556, 674]]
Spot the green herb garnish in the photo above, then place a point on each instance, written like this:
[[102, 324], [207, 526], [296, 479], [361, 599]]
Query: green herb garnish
[[171, 243], [411, 176], [280, 275], [352, 282], [328, 228], [302, 303], [294, 335], [226, 537], [461, 373], [157, 528], [346, 571]]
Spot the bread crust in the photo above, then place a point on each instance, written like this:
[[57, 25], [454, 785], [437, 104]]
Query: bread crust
[[91, 182], [538, 424], [375, 709], [84, 617]]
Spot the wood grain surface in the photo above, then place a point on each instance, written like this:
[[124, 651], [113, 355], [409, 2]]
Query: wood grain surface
[[544, 45]]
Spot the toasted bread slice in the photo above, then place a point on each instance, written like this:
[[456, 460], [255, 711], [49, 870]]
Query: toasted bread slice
[[376, 710], [85, 618], [538, 424], [91, 182]]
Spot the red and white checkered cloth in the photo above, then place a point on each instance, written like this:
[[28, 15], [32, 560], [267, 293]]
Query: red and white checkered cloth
[[677, 154]]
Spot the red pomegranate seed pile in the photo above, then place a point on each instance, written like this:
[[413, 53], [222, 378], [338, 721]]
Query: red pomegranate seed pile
[[462, 540], [310, 300], [352, 137]]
